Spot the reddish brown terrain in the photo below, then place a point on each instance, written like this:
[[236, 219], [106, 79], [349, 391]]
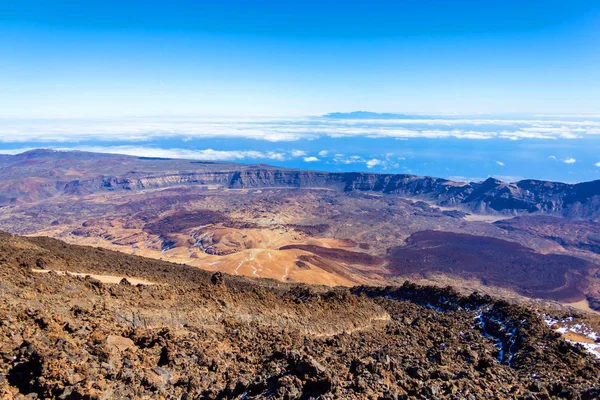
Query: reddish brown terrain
[[527, 241], [185, 333], [495, 262]]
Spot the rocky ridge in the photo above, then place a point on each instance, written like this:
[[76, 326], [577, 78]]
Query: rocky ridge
[[196, 335], [40, 174]]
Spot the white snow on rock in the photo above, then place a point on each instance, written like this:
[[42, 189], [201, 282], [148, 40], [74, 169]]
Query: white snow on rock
[[594, 349], [580, 328]]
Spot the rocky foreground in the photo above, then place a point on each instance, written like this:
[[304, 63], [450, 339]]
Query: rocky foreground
[[193, 335]]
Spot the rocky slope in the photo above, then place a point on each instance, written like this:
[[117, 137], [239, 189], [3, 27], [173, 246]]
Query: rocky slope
[[40, 174], [193, 335]]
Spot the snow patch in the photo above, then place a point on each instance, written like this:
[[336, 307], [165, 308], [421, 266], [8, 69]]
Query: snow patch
[[580, 328], [592, 348]]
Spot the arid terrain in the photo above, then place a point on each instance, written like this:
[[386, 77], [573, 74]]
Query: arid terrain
[[531, 241], [74, 326], [300, 200]]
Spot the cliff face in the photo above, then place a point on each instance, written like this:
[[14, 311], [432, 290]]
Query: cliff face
[[142, 181], [261, 177], [41, 174], [489, 197]]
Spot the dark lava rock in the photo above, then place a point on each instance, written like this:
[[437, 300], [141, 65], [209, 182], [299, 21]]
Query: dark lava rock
[[217, 278], [191, 337]]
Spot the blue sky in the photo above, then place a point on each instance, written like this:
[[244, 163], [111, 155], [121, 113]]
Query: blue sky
[[108, 58], [243, 77]]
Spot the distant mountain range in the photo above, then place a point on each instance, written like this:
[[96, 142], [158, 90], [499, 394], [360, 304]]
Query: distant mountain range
[[375, 115], [39, 174], [383, 116]]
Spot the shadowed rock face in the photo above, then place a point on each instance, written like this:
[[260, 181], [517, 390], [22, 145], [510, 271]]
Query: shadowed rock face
[[494, 261], [215, 336], [41, 174]]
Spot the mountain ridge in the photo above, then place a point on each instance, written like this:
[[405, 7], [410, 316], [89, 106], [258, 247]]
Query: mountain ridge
[[46, 173]]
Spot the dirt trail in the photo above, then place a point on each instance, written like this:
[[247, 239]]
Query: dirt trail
[[101, 278]]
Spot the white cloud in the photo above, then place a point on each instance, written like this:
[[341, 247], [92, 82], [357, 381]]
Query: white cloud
[[206, 154], [508, 178], [298, 153], [290, 129], [310, 159], [342, 159], [465, 179], [552, 157], [500, 163], [276, 156], [569, 160], [16, 151], [323, 153], [504, 178], [597, 164], [373, 162]]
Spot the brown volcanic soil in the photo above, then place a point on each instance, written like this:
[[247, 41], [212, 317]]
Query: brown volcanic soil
[[223, 337], [241, 231], [496, 262], [569, 233], [350, 257], [181, 222]]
